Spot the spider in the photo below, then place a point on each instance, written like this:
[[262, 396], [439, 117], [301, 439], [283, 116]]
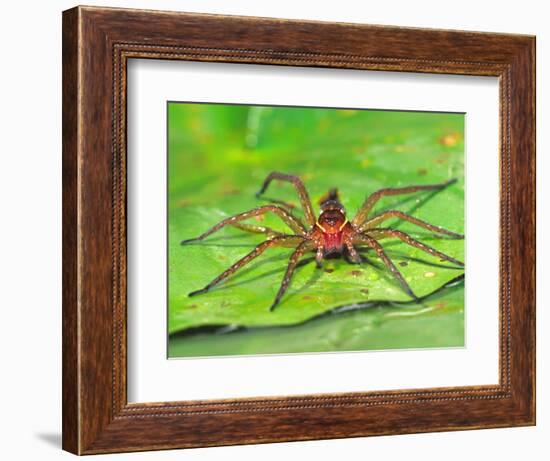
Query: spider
[[331, 234]]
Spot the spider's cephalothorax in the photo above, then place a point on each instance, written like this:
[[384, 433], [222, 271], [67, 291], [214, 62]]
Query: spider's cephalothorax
[[332, 225], [330, 234]]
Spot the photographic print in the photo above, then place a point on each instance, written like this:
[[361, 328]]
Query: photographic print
[[307, 230]]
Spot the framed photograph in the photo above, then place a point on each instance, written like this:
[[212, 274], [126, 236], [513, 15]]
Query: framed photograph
[[282, 230]]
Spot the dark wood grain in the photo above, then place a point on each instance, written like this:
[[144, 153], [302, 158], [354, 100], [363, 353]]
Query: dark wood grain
[[97, 43], [70, 384]]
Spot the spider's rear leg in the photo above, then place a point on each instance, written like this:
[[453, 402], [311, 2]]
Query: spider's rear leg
[[406, 238], [369, 241], [288, 218], [276, 241]]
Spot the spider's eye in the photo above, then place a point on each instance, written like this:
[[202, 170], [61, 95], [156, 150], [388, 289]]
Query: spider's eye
[[332, 220]]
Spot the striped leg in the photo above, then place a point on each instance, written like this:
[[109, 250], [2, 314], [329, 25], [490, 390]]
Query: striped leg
[[319, 257], [387, 261], [300, 188], [276, 241], [373, 222], [293, 262], [371, 200], [290, 220], [354, 256], [258, 230], [412, 242]]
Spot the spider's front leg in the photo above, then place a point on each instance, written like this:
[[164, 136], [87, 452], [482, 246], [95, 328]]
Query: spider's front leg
[[289, 219], [283, 240], [353, 254], [371, 200], [373, 222], [255, 229], [320, 253], [349, 234], [293, 262], [300, 188]]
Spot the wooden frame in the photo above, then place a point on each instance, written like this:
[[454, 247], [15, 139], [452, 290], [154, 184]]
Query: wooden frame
[[97, 43]]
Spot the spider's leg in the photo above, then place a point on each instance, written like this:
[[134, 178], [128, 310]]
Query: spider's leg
[[387, 261], [277, 241], [300, 188], [373, 222], [354, 255], [415, 243], [319, 257], [292, 222], [258, 229], [294, 258], [287, 206], [375, 196]]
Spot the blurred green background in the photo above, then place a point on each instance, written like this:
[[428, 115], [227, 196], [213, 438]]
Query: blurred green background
[[218, 157]]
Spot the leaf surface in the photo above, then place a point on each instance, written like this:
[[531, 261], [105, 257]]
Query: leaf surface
[[218, 157]]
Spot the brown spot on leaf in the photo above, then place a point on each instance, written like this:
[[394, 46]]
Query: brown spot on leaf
[[259, 217], [323, 125], [307, 297], [440, 305], [193, 306], [442, 158], [347, 112], [450, 139], [329, 270], [230, 191], [184, 202], [403, 263], [355, 273], [422, 171]]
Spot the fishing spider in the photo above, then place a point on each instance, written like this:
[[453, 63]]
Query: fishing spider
[[329, 234]]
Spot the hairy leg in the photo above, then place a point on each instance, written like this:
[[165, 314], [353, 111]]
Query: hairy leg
[[319, 257], [287, 206], [290, 220], [276, 241], [373, 222], [412, 242], [294, 258], [371, 200], [369, 241], [300, 188], [354, 256], [258, 229]]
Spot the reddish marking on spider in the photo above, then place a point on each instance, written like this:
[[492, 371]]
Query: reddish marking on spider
[[331, 233], [333, 241], [332, 224]]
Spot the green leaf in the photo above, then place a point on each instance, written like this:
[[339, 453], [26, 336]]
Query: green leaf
[[438, 322], [218, 157]]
